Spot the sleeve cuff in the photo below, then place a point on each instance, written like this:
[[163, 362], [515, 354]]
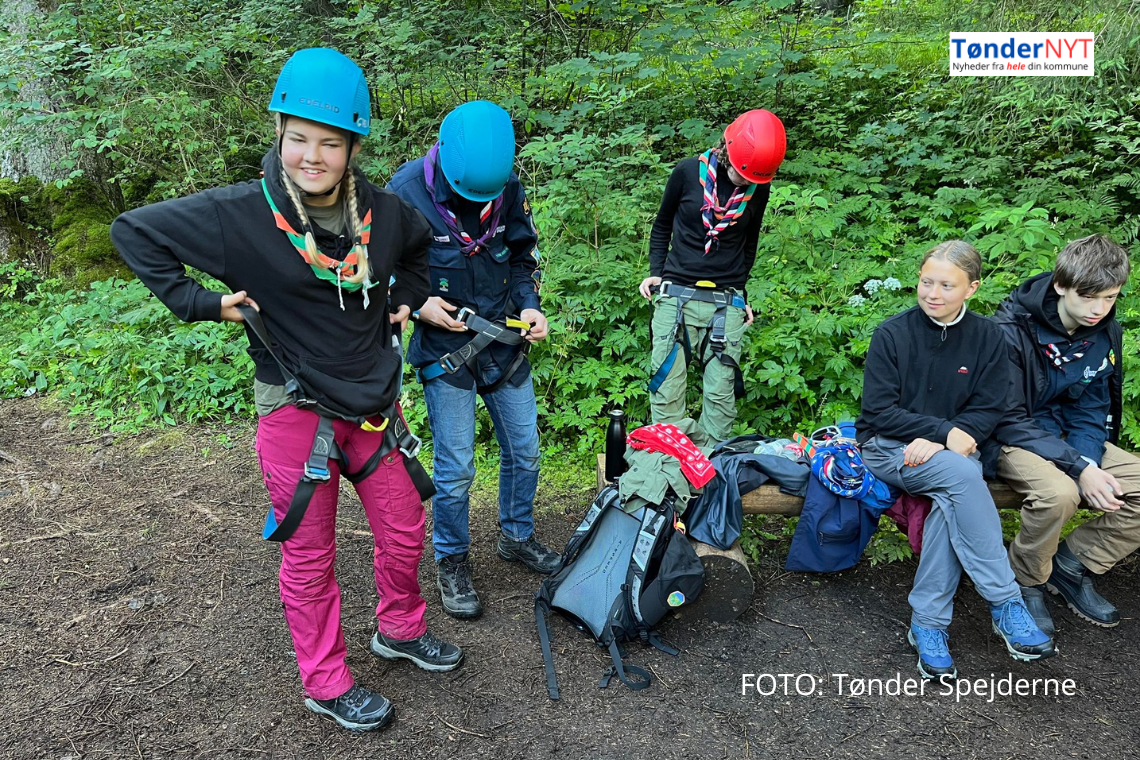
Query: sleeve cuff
[[1077, 468], [942, 432], [405, 297], [207, 306], [531, 301]]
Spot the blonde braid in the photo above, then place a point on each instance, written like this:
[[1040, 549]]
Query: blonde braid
[[310, 241], [353, 204]]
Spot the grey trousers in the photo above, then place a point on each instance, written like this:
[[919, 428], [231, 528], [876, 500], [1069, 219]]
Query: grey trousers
[[963, 530]]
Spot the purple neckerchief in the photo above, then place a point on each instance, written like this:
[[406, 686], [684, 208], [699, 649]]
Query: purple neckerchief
[[467, 244]]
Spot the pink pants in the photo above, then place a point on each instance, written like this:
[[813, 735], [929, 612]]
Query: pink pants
[[309, 590]]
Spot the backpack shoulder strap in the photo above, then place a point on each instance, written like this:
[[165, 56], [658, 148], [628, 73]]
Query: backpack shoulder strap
[[653, 522], [542, 622]]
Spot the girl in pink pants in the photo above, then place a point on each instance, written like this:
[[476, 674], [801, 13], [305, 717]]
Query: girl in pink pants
[[309, 590], [325, 268]]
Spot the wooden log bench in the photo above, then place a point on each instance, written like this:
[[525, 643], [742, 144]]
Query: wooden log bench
[[728, 582]]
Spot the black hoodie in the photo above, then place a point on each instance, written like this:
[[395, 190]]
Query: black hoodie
[[1041, 394], [230, 234]]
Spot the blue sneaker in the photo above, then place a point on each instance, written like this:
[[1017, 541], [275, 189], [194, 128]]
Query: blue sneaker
[[1016, 627], [933, 647]]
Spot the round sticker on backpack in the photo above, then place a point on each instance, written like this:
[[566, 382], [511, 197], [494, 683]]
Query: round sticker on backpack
[[676, 599]]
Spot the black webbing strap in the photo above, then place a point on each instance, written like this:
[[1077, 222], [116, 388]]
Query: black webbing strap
[[654, 639], [542, 622], [622, 670], [486, 333], [292, 386], [317, 471], [717, 340]]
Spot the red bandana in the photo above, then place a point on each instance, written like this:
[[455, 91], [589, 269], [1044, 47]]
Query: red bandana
[[668, 439]]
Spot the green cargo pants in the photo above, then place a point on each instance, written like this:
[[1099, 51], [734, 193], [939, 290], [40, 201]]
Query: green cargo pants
[[718, 411]]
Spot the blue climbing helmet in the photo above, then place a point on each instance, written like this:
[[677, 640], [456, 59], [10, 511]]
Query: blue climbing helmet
[[838, 464], [477, 150], [325, 86]]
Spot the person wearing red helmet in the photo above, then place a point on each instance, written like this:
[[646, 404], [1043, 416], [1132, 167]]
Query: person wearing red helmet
[[701, 251]]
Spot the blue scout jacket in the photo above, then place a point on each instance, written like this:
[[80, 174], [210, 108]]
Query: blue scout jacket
[[495, 284]]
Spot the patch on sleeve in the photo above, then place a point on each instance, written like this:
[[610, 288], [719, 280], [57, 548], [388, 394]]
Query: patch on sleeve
[[526, 205]]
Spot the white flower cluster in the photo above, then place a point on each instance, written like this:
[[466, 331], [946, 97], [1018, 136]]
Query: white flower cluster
[[872, 287]]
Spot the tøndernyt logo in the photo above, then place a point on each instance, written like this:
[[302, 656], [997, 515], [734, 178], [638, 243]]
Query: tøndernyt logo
[[1026, 54]]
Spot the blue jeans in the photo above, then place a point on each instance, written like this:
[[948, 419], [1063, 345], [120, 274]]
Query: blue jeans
[[451, 416]]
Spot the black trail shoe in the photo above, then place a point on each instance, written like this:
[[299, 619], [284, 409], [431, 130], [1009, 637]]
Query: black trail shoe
[[1073, 582], [531, 553], [1034, 597], [426, 652], [358, 709], [456, 589]]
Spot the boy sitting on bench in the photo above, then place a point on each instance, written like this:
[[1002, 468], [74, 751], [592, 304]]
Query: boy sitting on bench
[[1056, 447]]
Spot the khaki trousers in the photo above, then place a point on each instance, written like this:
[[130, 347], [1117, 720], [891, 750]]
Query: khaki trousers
[[1051, 499]]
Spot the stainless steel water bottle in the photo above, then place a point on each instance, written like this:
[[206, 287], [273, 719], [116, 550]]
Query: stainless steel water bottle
[[615, 445]]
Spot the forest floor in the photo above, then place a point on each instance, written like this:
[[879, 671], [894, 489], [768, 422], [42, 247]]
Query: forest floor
[[139, 617]]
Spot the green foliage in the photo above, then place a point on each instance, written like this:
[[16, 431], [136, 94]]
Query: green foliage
[[118, 355]]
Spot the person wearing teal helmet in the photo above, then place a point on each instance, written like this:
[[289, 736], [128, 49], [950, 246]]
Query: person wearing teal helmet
[[303, 250], [468, 342]]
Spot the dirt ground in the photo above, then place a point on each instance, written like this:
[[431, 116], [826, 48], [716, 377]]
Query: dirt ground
[[139, 617]]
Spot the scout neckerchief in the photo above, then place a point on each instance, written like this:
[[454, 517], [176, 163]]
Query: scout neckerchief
[[468, 245], [716, 217], [324, 267], [1059, 358]]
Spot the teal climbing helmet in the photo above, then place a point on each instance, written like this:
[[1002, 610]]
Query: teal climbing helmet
[[325, 86], [477, 150]]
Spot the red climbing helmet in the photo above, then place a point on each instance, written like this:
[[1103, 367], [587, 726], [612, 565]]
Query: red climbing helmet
[[756, 144]]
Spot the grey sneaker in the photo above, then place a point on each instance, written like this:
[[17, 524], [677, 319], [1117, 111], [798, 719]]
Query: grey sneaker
[[358, 709], [531, 552], [1073, 582], [426, 652], [456, 589]]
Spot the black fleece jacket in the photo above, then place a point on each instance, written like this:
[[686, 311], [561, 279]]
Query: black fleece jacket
[[230, 234], [921, 380], [677, 240]]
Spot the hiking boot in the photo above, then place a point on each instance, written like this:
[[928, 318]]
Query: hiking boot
[[456, 589], [427, 652], [531, 553], [1034, 597], [933, 647], [358, 709], [1023, 639], [1073, 582]]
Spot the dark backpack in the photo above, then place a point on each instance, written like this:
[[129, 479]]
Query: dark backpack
[[620, 575]]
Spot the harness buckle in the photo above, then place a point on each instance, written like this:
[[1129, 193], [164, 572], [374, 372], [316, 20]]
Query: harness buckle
[[316, 473], [448, 366]]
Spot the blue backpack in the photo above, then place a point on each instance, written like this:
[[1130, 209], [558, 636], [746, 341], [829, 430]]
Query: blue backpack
[[620, 575], [841, 509]]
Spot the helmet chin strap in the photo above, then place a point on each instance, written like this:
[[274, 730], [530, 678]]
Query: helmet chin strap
[[347, 163]]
